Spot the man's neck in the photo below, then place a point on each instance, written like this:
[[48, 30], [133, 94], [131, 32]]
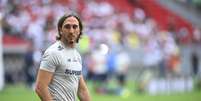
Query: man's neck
[[66, 44]]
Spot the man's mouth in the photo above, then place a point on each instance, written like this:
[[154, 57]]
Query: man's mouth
[[71, 42], [71, 39]]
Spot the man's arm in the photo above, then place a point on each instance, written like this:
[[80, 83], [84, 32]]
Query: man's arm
[[83, 92], [42, 82]]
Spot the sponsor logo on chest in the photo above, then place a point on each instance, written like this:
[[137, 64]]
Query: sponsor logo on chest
[[72, 60], [72, 72]]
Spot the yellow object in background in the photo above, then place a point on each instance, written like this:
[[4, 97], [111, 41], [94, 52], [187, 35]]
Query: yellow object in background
[[84, 44], [133, 40]]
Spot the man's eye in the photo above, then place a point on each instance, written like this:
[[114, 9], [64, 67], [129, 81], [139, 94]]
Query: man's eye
[[68, 26], [75, 26]]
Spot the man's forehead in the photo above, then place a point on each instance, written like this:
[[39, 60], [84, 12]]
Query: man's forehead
[[72, 20]]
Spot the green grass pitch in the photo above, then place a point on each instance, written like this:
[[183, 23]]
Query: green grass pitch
[[20, 93]]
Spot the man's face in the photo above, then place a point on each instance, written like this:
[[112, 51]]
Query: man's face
[[70, 30]]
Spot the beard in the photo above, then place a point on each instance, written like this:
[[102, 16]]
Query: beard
[[70, 41]]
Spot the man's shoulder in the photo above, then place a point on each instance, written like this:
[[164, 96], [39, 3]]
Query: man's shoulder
[[55, 47]]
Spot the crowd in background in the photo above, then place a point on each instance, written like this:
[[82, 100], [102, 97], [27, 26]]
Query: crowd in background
[[108, 34], [193, 3]]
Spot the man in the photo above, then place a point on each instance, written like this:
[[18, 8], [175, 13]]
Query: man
[[59, 77]]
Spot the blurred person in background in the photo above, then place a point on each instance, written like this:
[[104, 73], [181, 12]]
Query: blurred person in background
[[60, 75], [195, 55], [98, 68], [29, 65], [122, 61], [1, 56]]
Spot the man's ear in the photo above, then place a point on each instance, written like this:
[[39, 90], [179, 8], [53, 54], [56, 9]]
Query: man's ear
[[60, 31]]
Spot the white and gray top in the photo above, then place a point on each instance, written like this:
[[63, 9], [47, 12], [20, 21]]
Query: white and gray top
[[66, 65]]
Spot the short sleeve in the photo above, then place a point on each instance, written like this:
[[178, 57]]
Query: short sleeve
[[49, 61], [80, 59]]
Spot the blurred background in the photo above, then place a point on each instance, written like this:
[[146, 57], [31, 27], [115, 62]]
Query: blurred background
[[139, 50]]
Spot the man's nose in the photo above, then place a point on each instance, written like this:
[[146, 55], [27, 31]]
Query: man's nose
[[71, 30], [72, 33]]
